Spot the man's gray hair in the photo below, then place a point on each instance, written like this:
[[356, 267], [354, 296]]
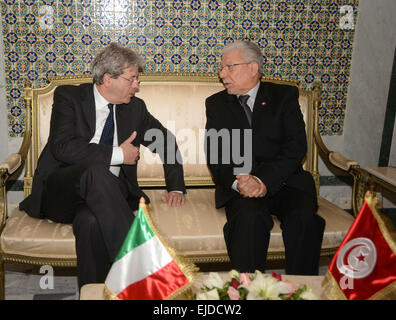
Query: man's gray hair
[[250, 51], [114, 59]]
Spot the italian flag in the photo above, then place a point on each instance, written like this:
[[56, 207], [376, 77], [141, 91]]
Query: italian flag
[[144, 269]]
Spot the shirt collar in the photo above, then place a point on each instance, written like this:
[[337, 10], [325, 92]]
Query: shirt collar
[[252, 94], [100, 101]]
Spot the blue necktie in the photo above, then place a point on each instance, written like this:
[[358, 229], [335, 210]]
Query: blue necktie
[[243, 101], [108, 129]]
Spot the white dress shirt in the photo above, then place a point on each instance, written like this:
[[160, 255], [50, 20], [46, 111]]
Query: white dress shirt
[[102, 112]]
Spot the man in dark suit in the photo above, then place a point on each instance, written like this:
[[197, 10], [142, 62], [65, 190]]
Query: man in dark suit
[[86, 174], [265, 124]]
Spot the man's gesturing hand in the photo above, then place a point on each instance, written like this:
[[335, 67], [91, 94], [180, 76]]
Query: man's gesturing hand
[[131, 153]]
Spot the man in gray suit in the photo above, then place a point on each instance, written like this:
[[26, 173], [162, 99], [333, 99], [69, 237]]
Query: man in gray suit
[[87, 172]]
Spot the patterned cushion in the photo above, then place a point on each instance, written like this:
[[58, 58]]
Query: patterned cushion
[[196, 229], [41, 238]]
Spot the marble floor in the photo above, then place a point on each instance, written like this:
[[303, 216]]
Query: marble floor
[[22, 283], [25, 283]]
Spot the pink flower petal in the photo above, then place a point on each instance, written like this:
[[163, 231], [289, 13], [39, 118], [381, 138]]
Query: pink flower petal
[[244, 278], [233, 293]]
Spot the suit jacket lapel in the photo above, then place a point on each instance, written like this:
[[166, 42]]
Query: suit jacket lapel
[[126, 120], [237, 110], [88, 106], [262, 102], [262, 97], [119, 113]]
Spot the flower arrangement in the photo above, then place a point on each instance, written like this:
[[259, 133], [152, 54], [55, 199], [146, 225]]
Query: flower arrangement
[[257, 286]]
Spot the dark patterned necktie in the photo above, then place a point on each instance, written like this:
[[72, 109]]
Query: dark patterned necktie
[[243, 101], [108, 129]]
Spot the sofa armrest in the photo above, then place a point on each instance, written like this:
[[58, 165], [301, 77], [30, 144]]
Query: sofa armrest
[[7, 168], [346, 165], [336, 159], [16, 160], [3, 197], [12, 164], [339, 161]]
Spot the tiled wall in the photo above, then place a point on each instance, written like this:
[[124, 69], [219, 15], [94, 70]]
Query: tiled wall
[[300, 39]]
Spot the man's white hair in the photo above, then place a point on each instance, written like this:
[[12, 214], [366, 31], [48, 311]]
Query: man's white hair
[[250, 52]]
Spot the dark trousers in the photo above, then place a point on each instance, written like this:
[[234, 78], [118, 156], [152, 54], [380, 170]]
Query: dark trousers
[[95, 201], [249, 222]]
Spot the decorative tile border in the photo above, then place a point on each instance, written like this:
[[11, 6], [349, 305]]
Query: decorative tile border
[[307, 40]]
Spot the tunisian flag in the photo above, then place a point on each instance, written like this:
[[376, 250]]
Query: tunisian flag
[[364, 266], [146, 268]]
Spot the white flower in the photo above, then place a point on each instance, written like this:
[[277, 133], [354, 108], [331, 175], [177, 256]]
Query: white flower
[[214, 281], [208, 295], [255, 287], [308, 295], [265, 287], [233, 274]]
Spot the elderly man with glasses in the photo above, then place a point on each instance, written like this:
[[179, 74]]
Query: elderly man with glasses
[[264, 120]]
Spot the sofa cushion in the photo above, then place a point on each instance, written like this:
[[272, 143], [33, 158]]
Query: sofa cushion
[[196, 229], [338, 222], [39, 238]]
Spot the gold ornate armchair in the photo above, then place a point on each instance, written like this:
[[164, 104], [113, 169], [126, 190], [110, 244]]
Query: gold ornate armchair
[[194, 230], [375, 179]]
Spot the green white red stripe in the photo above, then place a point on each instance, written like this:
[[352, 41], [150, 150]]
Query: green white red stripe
[[143, 269]]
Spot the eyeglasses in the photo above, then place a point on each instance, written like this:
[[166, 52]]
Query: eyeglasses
[[131, 81], [230, 67]]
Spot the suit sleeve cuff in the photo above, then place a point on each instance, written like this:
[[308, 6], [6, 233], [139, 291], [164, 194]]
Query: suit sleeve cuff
[[258, 179], [234, 186]]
